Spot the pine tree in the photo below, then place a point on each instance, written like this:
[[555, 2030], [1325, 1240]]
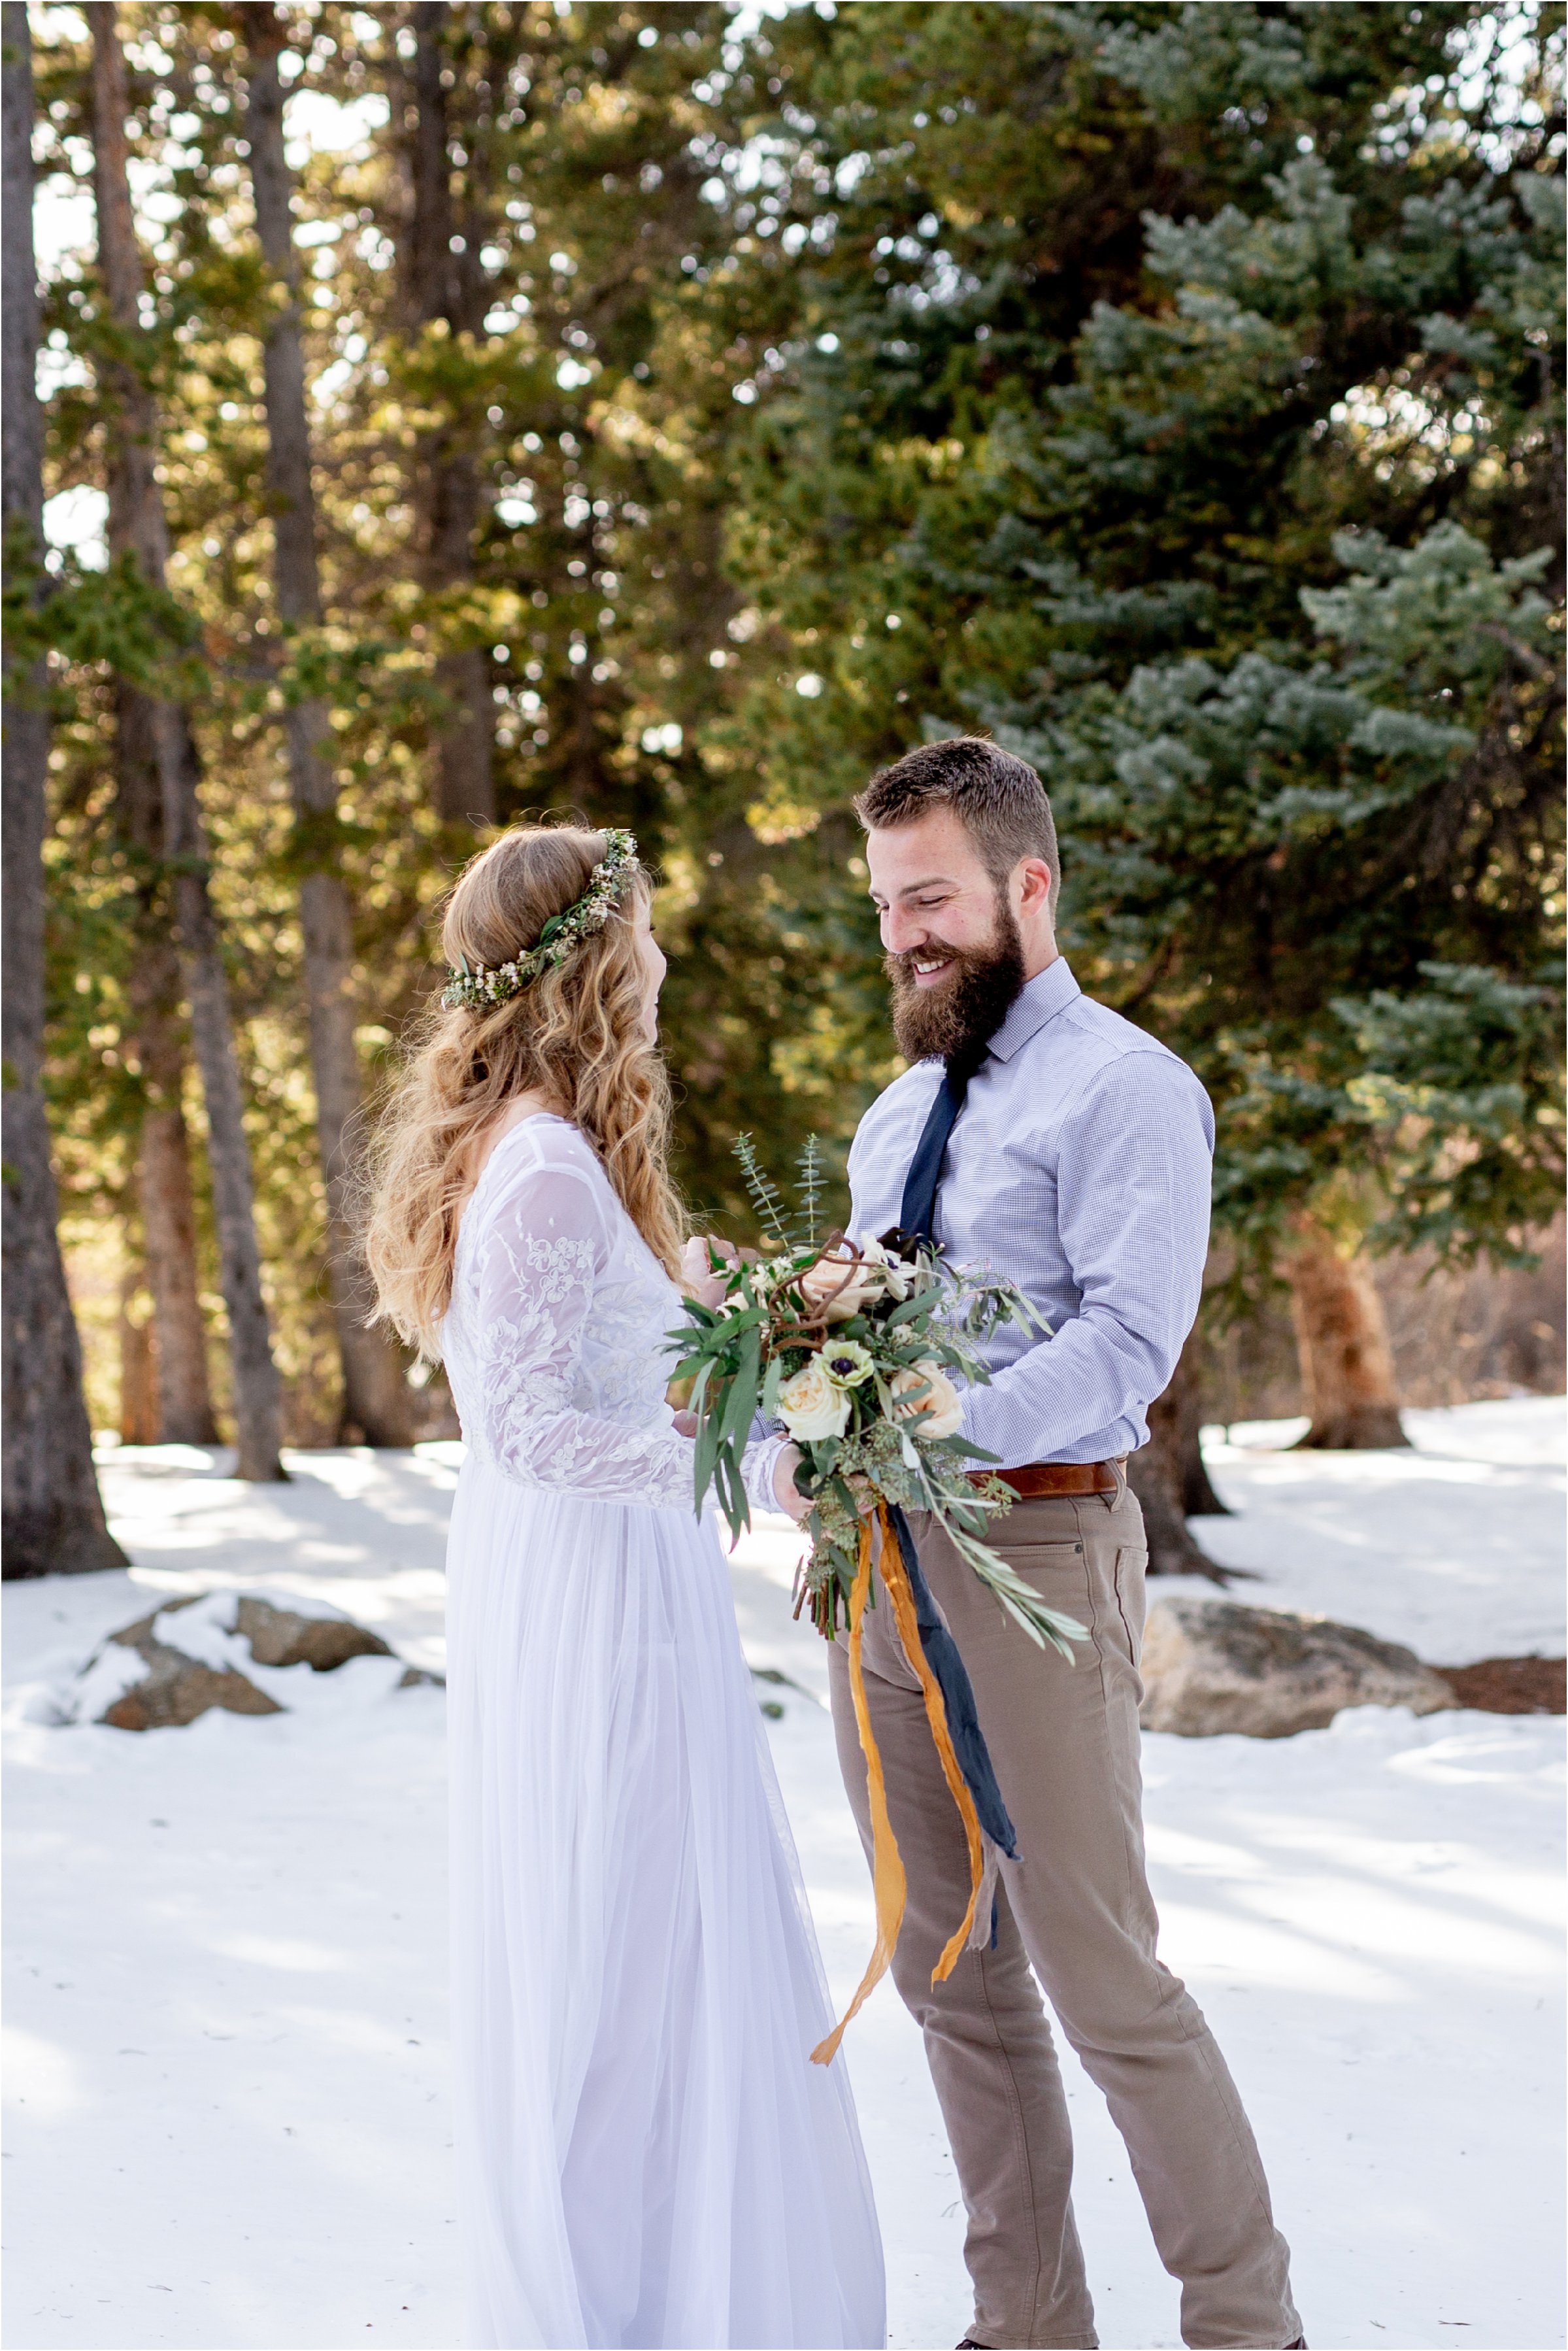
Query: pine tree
[[158, 789], [54, 1521], [1125, 333]]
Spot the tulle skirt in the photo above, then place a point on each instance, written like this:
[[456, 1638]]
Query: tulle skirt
[[646, 2156]]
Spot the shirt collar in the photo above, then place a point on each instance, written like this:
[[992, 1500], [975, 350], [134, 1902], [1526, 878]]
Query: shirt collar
[[1040, 1000]]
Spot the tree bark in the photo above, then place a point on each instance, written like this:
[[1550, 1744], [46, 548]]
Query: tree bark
[[378, 1405], [156, 1042], [49, 1502], [1168, 1478], [440, 286], [169, 1236], [140, 527], [1342, 1338], [140, 1421]]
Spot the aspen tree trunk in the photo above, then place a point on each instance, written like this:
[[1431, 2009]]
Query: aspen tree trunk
[[439, 286], [1342, 1337], [136, 507], [164, 1157], [53, 1516], [377, 1400]]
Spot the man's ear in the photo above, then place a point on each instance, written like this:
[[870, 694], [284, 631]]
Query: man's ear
[[1033, 877]]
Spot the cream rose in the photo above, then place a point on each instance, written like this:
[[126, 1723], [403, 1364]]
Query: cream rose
[[811, 1406], [840, 1285], [922, 1392]]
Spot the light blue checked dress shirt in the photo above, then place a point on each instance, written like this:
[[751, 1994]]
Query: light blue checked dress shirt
[[1079, 1169]]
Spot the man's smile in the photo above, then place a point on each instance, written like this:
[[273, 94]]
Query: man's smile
[[930, 966]]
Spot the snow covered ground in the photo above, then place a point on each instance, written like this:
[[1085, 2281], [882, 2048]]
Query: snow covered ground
[[225, 2013]]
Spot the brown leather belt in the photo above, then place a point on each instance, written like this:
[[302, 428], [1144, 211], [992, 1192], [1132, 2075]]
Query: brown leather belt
[[1036, 1479]]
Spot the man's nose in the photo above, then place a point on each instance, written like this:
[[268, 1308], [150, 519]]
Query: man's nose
[[901, 931]]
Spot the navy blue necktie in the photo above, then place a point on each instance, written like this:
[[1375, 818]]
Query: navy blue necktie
[[926, 1167]]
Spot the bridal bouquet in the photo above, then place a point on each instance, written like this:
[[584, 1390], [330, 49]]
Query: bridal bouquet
[[856, 1349]]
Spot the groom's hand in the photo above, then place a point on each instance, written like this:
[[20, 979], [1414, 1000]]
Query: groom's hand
[[798, 1505]]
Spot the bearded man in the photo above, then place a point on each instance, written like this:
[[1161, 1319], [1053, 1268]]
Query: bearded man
[[1042, 1134]]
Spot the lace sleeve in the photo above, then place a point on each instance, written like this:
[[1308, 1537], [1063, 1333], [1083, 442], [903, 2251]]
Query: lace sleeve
[[758, 1464], [533, 1283]]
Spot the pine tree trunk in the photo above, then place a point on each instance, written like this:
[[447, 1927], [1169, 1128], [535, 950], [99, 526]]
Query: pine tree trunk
[[440, 284], [141, 1420], [1168, 1478], [1342, 1337], [378, 1406], [1169, 1475], [1178, 1414], [52, 1513], [164, 1158], [169, 1234], [140, 528]]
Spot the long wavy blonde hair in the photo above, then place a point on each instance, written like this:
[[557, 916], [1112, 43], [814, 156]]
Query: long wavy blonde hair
[[575, 1036]]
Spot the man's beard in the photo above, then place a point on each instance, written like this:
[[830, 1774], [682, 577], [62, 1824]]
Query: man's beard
[[957, 1020]]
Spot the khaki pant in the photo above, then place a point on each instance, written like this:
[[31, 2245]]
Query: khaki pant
[[1077, 1907]]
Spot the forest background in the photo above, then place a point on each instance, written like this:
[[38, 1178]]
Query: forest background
[[669, 413]]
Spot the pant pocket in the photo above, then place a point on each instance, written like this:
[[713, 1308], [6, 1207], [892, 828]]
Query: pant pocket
[[1132, 1563]]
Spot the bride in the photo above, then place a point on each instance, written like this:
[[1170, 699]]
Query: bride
[[646, 2153]]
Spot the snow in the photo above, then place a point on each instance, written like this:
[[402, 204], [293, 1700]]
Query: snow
[[225, 2022]]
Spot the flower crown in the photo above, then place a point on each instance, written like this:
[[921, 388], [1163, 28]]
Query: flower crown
[[480, 988]]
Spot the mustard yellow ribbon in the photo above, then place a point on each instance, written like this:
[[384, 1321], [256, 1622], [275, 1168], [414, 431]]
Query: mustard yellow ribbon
[[889, 1886]]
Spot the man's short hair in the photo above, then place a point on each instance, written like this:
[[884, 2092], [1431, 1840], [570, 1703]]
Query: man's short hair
[[1000, 801]]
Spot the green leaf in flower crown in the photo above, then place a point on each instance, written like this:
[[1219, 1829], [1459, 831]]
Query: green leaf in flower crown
[[551, 930]]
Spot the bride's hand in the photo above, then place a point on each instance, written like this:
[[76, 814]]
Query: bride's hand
[[701, 1283], [785, 1492]]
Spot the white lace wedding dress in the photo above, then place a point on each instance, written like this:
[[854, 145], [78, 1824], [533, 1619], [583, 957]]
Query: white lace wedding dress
[[646, 2153]]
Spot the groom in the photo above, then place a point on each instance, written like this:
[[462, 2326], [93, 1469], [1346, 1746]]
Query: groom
[[1040, 1133]]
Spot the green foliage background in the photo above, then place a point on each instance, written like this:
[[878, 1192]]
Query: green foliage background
[[1173, 391]]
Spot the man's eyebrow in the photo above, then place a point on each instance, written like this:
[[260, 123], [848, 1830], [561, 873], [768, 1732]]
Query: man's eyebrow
[[932, 882]]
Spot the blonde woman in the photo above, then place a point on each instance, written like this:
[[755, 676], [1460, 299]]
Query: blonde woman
[[646, 2155]]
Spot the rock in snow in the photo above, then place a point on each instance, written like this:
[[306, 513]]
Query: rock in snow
[[155, 1675], [1211, 1665]]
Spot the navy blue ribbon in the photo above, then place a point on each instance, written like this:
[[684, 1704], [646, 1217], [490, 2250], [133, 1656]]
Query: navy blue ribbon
[[958, 1696]]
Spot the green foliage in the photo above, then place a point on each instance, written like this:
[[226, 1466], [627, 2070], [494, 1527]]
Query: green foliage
[[1175, 390], [1126, 335]]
